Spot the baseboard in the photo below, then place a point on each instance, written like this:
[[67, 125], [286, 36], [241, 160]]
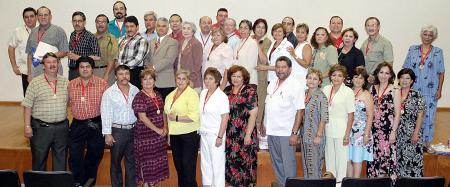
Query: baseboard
[[443, 109], [10, 103]]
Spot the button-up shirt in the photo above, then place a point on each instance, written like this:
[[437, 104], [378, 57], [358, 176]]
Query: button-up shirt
[[149, 37], [18, 41], [84, 44], [204, 39], [116, 109], [381, 51], [85, 98], [132, 50], [113, 28], [109, 49], [177, 36]]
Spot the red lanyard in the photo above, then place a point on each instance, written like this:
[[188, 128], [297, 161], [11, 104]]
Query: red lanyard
[[153, 99], [273, 49], [357, 93], [53, 88], [41, 36], [204, 42], [118, 27], [126, 41], [124, 96], [232, 92], [75, 40], [423, 57], [176, 96], [367, 47], [330, 99], [278, 86], [380, 97], [207, 99], [237, 55], [212, 49], [307, 99], [82, 88]]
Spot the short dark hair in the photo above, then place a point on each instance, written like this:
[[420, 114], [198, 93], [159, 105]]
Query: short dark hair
[[78, 13], [313, 38], [374, 18], [304, 26], [47, 55], [214, 73], [132, 19], [260, 20], [337, 67], [121, 67], [378, 69], [293, 22], [125, 6], [235, 68], [363, 72], [277, 26], [408, 71], [286, 59], [332, 17], [102, 15], [222, 10], [86, 59], [28, 9], [42, 7], [181, 19], [351, 30]]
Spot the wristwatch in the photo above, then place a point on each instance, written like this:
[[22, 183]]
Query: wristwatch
[[294, 133]]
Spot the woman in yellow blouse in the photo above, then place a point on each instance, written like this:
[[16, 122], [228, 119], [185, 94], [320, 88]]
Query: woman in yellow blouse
[[182, 113]]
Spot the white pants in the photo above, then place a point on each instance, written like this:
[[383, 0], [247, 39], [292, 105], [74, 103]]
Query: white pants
[[336, 157], [212, 161]]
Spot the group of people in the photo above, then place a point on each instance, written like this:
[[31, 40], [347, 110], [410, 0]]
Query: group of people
[[218, 90]]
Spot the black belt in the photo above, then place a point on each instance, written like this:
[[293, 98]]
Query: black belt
[[97, 67], [94, 119], [46, 124]]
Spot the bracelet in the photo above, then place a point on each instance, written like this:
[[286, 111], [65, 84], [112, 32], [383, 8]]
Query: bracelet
[[219, 137], [27, 126], [176, 118]]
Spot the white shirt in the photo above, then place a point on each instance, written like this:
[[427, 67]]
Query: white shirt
[[221, 58], [282, 105], [233, 40], [342, 103], [115, 109], [211, 111], [204, 39], [18, 40], [246, 55], [299, 70], [281, 50]]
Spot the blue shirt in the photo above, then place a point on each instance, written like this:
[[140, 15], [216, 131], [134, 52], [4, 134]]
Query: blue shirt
[[427, 79], [114, 30]]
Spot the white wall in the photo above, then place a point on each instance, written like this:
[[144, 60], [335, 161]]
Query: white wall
[[401, 21]]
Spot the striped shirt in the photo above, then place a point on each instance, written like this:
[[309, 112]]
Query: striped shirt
[[44, 103], [116, 109], [85, 100], [84, 45], [132, 50]]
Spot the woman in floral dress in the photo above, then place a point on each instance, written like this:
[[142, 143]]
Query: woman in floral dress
[[387, 116], [409, 135], [241, 141]]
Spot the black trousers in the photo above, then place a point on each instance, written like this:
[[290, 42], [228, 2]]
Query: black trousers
[[134, 77], [185, 152], [84, 165], [48, 136], [123, 148], [24, 83], [165, 91]]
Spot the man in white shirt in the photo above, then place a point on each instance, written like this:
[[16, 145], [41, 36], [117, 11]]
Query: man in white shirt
[[17, 43], [118, 121], [204, 36], [229, 28], [283, 114]]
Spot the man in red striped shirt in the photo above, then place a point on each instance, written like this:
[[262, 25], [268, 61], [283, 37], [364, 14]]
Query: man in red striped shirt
[[85, 95]]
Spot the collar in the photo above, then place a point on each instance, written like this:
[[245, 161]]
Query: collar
[[160, 38], [376, 38]]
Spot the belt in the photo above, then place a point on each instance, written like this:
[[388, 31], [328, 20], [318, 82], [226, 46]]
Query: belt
[[136, 67], [94, 119], [97, 67], [123, 126], [47, 124]]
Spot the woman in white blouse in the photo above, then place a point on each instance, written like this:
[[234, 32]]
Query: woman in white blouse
[[218, 55], [214, 109], [276, 50], [341, 108], [246, 52], [302, 53]]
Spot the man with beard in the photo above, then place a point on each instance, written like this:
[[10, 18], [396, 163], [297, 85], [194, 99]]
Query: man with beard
[[45, 38], [17, 43], [150, 25], [81, 43], [132, 50], [204, 35], [285, 98], [109, 50], [85, 94], [45, 116], [175, 21], [118, 121], [117, 25]]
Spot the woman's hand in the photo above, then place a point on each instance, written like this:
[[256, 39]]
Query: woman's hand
[[415, 138], [346, 140], [366, 139], [317, 141], [218, 142], [247, 140], [392, 137]]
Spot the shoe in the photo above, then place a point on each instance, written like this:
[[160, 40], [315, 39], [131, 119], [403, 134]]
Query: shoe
[[276, 184]]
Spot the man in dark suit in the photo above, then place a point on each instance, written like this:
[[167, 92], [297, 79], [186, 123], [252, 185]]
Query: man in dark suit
[[163, 53]]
